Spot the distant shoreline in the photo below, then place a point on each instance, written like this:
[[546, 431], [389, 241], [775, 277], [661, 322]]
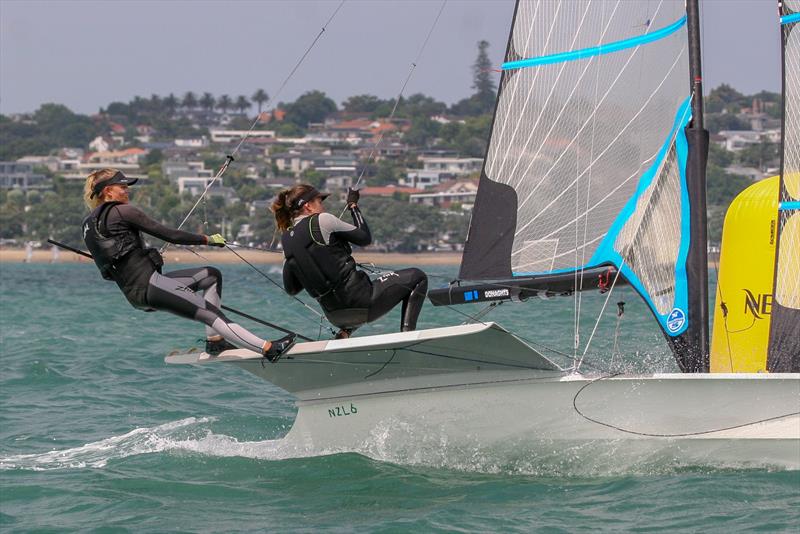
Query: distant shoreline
[[178, 256]]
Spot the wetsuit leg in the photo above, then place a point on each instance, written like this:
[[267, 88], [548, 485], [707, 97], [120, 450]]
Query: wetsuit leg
[[176, 292], [407, 285]]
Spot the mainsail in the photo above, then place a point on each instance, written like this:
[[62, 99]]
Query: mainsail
[[588, 155], [784, 344]]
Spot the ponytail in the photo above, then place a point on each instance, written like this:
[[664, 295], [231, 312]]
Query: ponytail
[[282, 205]]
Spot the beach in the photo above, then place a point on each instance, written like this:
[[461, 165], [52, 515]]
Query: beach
[[215, 256]]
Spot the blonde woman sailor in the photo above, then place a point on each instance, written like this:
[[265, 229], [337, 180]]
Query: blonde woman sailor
[[113, 234]]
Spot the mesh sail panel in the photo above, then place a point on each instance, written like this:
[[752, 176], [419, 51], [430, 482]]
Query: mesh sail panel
[[647, 238], [585, 148], [784, 346]]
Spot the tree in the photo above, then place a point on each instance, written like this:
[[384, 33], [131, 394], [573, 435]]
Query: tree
[[189, 100], [242, 104], [207, 102], [362, 103], [260, 97], [224, 103], [482, 81], [171, 104], [312, 106]]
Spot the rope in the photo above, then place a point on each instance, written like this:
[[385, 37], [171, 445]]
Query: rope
[[399, 97], [230, 157], [599, 316], [273, 282], [653, 435]]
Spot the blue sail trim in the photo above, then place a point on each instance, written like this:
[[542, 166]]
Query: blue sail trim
[[674, 322], [788, 19], [793, 205], [607, 255], [608, 48]]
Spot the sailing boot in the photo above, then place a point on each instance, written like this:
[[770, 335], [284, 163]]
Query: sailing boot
[[279, 347], [413, 305], [215, 347]]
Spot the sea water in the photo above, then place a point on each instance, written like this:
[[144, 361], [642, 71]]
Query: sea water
[[98, 433]]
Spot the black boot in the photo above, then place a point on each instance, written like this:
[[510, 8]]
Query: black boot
[[280, 346], [214, 348]]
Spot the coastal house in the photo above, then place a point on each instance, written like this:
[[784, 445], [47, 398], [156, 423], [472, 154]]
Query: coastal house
[[16, 175], [229, 136], [387, 191], [461, 192], [437, 169]]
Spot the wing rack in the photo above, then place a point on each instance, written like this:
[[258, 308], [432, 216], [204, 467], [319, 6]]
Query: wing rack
[[523, 288]]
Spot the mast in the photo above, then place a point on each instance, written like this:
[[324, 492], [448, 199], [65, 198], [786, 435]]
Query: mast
[[692, 349]]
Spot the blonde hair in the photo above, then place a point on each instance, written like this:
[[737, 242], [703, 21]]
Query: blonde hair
[[91, 181], [282, 205]]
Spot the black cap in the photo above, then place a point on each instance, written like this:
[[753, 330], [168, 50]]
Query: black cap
[[118, 178], [307, 197]]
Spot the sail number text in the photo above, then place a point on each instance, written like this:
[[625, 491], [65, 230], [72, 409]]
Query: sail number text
[[340, 411]]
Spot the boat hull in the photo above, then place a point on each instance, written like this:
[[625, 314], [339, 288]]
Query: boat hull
[[718, 420], [469, 390]]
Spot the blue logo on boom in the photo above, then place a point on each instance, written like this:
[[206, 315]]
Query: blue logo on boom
[[470, 295], [675, 320]]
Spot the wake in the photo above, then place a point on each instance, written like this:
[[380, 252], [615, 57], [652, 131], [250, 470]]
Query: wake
[[393, 442], [186, 435]]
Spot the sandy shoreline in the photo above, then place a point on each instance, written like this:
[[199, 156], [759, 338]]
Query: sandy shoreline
[[177, 256]]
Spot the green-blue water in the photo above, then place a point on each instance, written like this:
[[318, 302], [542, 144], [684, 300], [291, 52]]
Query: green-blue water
[[96, 432]]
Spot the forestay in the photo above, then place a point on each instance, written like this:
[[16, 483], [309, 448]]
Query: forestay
[[587, 155]]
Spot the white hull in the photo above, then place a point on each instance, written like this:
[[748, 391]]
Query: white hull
[[710, 420], [475, 389]]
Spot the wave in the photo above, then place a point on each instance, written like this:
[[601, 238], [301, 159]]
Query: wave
[[190, 435]]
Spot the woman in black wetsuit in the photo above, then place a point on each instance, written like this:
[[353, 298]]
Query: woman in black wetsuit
[[112, 232], [318, 259]]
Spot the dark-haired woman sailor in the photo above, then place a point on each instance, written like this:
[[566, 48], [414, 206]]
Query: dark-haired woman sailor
[[316, 245], [112, 233]]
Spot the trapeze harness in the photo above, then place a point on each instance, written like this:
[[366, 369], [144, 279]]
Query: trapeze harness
[[112, 233], [319, 259]]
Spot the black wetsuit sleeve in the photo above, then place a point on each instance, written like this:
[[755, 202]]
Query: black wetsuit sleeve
[[360, 235], [139, 220], [291, 283]]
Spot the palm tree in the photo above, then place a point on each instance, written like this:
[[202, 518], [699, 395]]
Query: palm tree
[[259, 97], [242, 104], [171, 104], [207, 102], [224, 103], [189, 100]]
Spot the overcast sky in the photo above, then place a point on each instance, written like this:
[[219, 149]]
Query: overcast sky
[[86, 54]]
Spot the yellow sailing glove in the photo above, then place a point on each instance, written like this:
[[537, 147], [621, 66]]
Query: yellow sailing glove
[[215, 240]]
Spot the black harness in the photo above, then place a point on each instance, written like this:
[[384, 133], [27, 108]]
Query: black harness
[[108, 249], [327, 271]]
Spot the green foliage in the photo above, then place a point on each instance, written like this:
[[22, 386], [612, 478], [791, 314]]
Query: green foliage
[[363, 103], [52, 126], [397, 225], [260, 97], [760, 155], [153, 157], [470, 138], [312, 106], [482, 81], [725, 121]]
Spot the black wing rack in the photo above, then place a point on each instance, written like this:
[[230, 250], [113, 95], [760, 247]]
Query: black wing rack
[[551, 285]]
